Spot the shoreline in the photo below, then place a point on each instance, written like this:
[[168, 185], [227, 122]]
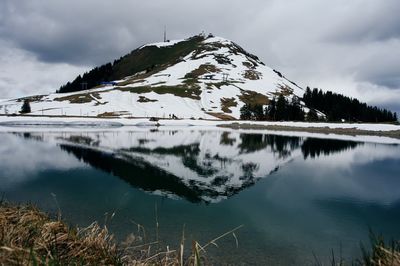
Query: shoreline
[[349, 129], [324, 130]]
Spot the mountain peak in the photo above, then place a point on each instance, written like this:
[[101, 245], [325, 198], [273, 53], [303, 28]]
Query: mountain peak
[[204, 77]]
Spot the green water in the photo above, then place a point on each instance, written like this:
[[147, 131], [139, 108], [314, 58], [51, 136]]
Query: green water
[[296, 197]]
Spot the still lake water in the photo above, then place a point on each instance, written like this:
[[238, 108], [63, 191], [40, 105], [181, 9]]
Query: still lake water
[[295, 196]]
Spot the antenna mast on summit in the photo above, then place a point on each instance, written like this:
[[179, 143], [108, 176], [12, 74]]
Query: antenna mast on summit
[[165, 33]]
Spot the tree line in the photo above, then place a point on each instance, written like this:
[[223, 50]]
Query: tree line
[[277, 110], [336, 107], [89, 79]]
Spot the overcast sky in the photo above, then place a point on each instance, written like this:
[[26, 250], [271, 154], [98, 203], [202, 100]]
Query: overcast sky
[[352, 47]]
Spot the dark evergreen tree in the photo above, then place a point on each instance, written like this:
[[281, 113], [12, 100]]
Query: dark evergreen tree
[[307, 95], [296, 113], [281, 108], [258, 112], [312, 115], [253, 112], [270, 110], [26, 107], [245, 112]]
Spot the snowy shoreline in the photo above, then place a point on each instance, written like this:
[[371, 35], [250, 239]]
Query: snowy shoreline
[[362, 131], [115, 122]]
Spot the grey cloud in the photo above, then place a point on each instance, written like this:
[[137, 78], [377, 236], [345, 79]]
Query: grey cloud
[[58, 33], [366, 21], [94, 32], [22, 74], [382, 67]]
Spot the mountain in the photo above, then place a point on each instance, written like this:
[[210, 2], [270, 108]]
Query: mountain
[[199, 77]]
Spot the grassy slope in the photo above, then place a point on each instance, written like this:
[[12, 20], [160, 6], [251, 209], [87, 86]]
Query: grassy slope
[[152, 56], [149, 59]]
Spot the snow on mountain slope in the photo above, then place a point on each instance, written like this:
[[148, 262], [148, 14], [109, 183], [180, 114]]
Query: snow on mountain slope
[[213, 81]]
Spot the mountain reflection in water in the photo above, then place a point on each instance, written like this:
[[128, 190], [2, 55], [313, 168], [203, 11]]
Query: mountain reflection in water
[[200, 166]]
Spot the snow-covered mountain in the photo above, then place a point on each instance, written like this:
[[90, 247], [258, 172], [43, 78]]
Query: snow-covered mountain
[[200, 77]]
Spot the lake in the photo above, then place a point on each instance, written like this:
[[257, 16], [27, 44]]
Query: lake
[[298, 197]]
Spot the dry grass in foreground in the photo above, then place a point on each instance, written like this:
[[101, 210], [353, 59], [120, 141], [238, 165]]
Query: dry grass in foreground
[[30, 237], [381, 254]]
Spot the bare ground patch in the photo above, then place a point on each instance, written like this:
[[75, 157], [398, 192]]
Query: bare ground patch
[[187, 91], [253, 98], [221, 116], [36, 98], [251, 74], [112, 114], [81, 98], [143, 99], [226, 103], [201, 70], [283, 90]]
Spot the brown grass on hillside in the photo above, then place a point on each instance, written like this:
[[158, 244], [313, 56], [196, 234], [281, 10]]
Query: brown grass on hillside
[[226, 103], [81, 98], [251, 74], [113, 114], [253, 98], [221, 116], [249, 65], [35, 98], [189, 91], [143, 99], [284, 90], [201, 70]]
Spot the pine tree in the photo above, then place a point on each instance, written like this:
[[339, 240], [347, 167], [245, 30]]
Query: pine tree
[[245, 112], [258, 112], [281, 108], [295, 111], [312, 115], [270, 110], [26, 107], [307, 95]]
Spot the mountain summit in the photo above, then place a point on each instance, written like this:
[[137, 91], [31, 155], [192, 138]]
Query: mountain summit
[[199, 77]]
